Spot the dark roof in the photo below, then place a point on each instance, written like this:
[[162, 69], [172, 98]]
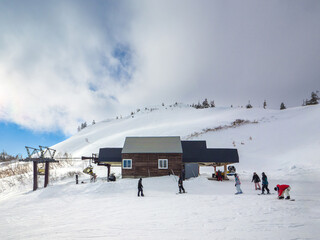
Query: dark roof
[[110, 155], [152, 145], [197, 152], [221, 155], [193, 150]]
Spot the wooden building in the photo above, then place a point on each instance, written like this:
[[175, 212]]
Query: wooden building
[[159, 156], [151, 156]]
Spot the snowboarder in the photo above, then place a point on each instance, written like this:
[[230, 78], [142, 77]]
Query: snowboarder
[[183, 174], [238, 183], [180, 184], [256, 180], [283, 190], [265, 183], [140, 188], [219, 176]]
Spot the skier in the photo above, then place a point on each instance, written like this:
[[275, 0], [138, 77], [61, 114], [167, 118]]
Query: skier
[[283, 190], [265, 183], [180, 184], [219, 176], [140, 188], [238, 183], [256, 180]]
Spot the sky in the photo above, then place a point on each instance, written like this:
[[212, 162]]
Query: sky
[[66, 62]]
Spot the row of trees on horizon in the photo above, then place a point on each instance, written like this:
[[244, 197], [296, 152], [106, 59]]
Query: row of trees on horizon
[[211, 104], [312, 101]]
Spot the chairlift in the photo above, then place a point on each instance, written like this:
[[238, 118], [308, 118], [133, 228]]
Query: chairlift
[[41, 170], [89, 170]]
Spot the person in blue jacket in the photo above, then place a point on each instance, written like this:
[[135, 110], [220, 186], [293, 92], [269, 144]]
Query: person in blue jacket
[[265, 183]]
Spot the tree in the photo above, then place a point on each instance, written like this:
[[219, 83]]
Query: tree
[[212, 104], [249, 105], [314, 99], [93, 122], [83, 125], [282, 106], [205, 103], [264, 104]]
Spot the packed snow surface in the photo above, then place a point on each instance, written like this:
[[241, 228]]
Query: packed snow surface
[[284, 144]]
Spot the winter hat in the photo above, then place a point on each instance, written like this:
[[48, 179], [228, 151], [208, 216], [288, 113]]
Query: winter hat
[[276, 189]]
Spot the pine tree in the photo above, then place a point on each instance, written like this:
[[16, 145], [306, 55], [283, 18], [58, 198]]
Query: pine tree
[[249, 105], [205, 103], [282, 106], [212, 104], [314, 99], [93, 122]]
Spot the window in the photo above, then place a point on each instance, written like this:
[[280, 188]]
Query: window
[[163, 163], [127, 163]]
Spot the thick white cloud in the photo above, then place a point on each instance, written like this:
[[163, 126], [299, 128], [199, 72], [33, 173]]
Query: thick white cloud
[[62, 63]]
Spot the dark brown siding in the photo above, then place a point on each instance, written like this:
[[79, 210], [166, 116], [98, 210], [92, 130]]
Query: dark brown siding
[[146, 164]]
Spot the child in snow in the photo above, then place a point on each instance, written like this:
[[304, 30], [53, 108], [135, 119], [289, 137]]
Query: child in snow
[[238, 183], [180, 184], [140, 188], [283, 190], [265, 183], [256, 180]]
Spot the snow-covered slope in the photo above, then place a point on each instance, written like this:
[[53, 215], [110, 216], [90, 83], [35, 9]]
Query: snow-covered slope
[[279, 142], [284, 144]]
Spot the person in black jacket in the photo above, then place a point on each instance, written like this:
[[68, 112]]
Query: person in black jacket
[[140, 188], [256, 180], [180, 184]]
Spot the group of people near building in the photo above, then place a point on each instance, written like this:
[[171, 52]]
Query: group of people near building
[[283, 190]]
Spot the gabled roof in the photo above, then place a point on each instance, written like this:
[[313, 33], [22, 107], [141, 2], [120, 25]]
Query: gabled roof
[[152, 145], [110, 155]]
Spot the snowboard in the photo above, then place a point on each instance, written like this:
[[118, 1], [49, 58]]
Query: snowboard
[[181, 192]]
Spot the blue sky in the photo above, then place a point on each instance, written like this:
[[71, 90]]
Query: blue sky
[[66, 62], [13, 139]]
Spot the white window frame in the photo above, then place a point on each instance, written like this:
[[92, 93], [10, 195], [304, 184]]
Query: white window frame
[[163, 160], [123, 160]]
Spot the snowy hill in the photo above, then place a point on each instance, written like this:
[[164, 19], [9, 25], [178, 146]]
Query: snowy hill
[[284, 144], [281, 142]]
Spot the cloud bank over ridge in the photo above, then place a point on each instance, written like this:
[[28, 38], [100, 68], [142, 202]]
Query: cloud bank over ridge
[[62, 63]]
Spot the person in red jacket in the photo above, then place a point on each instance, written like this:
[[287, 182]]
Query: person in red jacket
[[283, 190]]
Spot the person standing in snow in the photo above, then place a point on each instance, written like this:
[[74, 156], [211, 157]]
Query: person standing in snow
[[180, 184], [265, 183], [219, 176], [283, 190], [238, 183], [256, 180], [140, 188]]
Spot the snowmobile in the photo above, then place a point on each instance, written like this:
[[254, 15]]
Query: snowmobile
[[112, 177]]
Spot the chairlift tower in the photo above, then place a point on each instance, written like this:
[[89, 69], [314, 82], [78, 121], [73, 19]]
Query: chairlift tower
[[40, 156]]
